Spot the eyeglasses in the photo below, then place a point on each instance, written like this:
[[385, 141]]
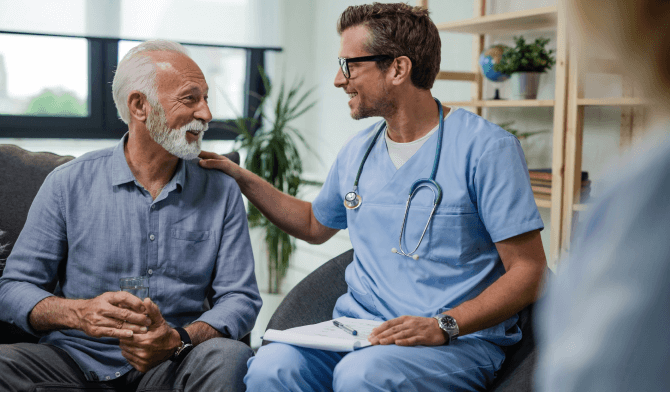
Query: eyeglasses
[[344, 62]]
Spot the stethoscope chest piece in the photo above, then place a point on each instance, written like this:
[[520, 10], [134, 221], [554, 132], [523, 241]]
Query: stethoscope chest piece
[[352, 200]]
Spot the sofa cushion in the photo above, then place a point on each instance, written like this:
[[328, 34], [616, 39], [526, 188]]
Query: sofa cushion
[[22, 175]]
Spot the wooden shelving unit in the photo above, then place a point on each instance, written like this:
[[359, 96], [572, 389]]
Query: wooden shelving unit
[[536, 19], [546, 18], [633, 119]]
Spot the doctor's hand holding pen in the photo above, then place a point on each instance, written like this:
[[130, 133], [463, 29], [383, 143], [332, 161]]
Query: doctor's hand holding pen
[[408, 331]]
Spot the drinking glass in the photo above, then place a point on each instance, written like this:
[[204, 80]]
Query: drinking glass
[[138, 286]]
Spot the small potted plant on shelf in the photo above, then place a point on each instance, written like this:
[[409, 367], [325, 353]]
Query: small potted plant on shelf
[[526, 62]]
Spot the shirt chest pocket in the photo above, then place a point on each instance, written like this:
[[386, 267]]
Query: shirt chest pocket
[[456, 238], [192, 254]]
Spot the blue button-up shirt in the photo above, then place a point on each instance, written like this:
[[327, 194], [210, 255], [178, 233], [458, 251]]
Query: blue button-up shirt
[[92, 223]]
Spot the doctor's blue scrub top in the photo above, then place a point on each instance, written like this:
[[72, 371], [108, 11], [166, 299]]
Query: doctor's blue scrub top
[[487, 198]]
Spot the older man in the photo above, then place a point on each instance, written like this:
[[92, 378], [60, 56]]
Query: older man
[[141, 208]]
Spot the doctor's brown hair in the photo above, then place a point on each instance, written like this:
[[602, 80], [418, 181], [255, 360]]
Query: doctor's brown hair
[[399, 30]]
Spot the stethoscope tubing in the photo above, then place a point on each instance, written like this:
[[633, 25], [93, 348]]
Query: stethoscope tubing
[[353, 201]]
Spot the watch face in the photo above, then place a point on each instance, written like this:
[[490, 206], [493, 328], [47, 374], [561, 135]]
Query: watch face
[[449, 322]]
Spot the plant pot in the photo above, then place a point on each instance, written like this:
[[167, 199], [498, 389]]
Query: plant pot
[[525, 85], [270, 303]]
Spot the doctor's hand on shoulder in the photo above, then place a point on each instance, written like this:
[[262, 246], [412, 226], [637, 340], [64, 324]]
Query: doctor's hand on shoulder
[[408, 331], [211, 160]]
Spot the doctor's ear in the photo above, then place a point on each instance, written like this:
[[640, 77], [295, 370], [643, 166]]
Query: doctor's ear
[[138, 106], [400, 70]]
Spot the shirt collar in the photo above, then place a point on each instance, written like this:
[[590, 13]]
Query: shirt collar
[[122, 173]]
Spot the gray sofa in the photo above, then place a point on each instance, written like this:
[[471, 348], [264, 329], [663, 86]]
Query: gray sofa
[[313, 299], [21, 175]]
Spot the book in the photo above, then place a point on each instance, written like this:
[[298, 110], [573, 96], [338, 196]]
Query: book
[[547, 183], [541, 189], [545, 174], [326, 336]]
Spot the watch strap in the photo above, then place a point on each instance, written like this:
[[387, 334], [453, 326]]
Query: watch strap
[[186, 344], [185, 338]]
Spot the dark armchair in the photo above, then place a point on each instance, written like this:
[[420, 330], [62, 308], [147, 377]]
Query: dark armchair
[[313, 299]]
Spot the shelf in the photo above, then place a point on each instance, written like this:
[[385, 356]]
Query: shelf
[[501, 103], [459, 76], [617, 101], [539, 18], [541, 202]]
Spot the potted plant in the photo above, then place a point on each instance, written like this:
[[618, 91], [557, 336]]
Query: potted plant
[[525, 62], [272, 154]]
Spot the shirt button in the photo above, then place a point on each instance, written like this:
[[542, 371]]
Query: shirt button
[[118, 374], [153, 207], [108, 377], [150, 272], [152, 237]]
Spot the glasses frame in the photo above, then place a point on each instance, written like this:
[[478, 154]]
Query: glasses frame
[[344, 62]]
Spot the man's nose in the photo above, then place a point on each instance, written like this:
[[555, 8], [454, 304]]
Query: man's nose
[[203, 113], [340, 80]]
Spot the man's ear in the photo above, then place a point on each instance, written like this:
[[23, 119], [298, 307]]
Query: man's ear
[[400, 70], [138, 106]]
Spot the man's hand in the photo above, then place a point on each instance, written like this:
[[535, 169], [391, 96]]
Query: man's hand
[[112, 314], [147, 350], [408, 331], [216, 161]]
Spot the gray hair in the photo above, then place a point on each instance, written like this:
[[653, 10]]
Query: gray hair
[[137, 71]]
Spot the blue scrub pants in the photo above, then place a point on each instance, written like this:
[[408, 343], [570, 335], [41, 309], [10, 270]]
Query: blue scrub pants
[[468, 364]]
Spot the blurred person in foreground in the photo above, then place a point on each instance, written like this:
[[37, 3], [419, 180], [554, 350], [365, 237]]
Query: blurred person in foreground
[[140, 208], [605, 320]]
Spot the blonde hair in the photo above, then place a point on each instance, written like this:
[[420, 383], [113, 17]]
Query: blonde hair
[[137, 71]]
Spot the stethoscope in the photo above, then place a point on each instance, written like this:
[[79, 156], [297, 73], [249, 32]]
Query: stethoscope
[[353, 201]]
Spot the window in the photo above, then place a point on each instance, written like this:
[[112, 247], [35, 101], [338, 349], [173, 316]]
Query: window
[[60, 86], [43, 76]]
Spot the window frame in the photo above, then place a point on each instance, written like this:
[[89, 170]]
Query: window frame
[[102, 121]]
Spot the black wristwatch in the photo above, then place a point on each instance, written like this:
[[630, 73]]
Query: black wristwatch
[[448, 325], [185, 347]]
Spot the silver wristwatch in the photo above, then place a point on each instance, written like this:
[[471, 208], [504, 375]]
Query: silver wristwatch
[[448, 325]]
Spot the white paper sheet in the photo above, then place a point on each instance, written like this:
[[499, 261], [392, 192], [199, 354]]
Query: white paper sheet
[[326, 336]]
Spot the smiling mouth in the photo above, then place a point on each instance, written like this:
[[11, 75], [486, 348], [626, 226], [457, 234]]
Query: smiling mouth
[[352, 95]]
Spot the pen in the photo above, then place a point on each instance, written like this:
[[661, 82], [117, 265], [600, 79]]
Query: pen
[[345, 328]]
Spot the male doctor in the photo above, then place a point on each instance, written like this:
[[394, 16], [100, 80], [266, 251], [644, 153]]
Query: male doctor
[[449, 307]]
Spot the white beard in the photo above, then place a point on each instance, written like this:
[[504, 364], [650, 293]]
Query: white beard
[[174, 140]]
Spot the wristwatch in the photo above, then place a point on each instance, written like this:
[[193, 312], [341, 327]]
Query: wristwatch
[[448, 325], [185, 347]]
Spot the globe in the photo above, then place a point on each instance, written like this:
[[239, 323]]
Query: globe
[[488, 59]]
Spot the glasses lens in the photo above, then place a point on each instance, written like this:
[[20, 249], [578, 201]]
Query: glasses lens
[[344, 67]]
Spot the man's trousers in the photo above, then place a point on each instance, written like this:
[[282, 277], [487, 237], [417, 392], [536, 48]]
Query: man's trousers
[[218, 364]]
